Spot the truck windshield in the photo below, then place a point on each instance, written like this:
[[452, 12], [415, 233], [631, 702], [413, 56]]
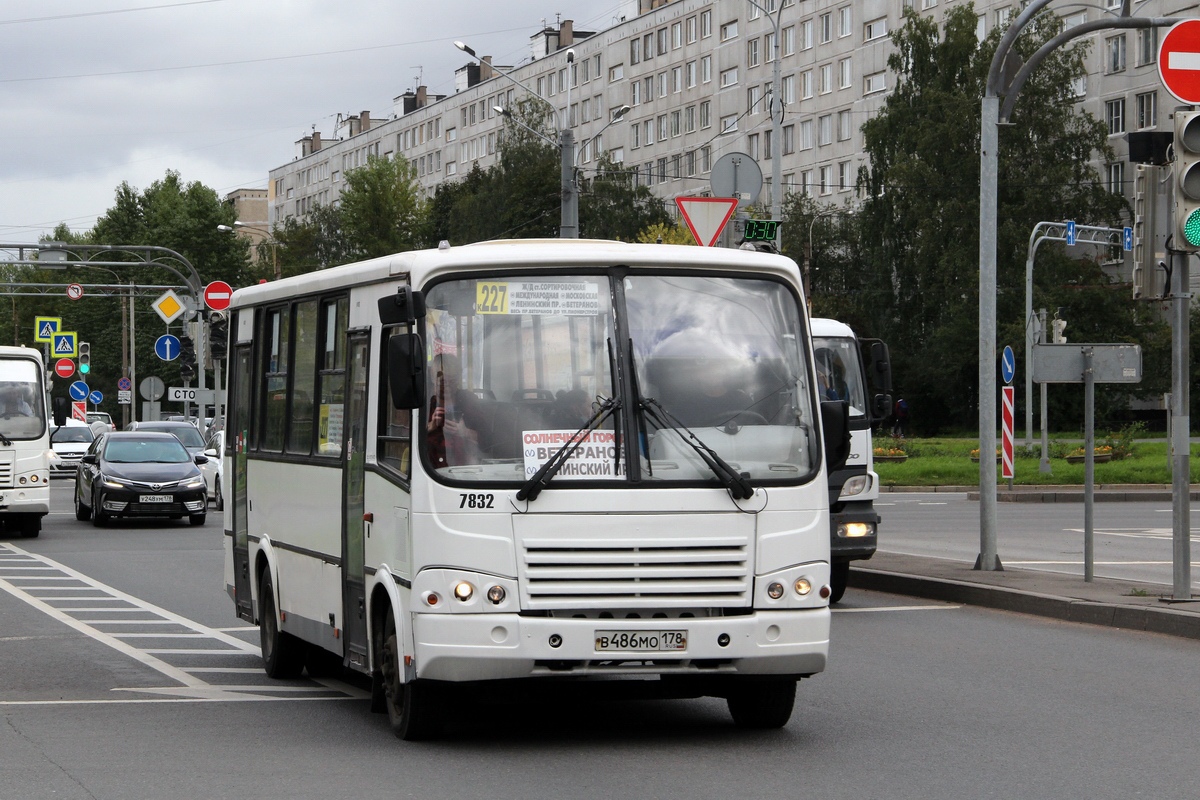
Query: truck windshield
[[839, 374], [22, 402], [517, 366]]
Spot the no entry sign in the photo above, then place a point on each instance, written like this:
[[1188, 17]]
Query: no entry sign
[[64, 368], [1179, 61], [217, 295]]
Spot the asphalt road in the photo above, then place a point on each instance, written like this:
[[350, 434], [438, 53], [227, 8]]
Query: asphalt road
[[1133, 541], [920, 700]]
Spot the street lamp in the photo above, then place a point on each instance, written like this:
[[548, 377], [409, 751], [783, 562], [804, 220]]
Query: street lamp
[[569, 226], [265, 238]]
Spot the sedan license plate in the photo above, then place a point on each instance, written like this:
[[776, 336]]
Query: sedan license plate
[[155, 498], [640, 641]]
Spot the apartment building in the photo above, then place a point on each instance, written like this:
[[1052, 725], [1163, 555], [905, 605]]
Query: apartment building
[[696, 75]]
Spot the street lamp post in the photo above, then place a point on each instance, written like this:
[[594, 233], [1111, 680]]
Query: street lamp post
[[267, 238], [776, 109], [569, 224]]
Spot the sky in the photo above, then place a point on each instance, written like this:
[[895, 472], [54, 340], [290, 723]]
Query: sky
[[94, 93]]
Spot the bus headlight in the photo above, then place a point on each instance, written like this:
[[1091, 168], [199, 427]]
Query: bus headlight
[[496, 595], [854, 530], [855, 486], [775, 590], [463, 591], [802, 586]]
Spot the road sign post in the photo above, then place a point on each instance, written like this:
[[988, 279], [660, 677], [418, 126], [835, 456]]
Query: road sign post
[[1006, 431]]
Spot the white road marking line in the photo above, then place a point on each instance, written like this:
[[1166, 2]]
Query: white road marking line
[[214, 697], [160, 636], [933, 504], [894, 608], [171, 652], [239, 629], [231, 670], [1097, 563]]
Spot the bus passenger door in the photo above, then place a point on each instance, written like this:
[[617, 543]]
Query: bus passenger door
[[237, 419], [354, 612]]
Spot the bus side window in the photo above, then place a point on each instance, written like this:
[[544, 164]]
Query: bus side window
[[394, 447]]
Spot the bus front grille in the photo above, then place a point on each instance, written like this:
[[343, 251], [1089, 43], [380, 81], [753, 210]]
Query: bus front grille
[[662, 574], [6, 471]]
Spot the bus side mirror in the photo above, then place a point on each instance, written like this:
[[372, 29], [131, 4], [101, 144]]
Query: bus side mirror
[[59, 408], [407, 305], [406, 370], [882, 406], [835, 428]]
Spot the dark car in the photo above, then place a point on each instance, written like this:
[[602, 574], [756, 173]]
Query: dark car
[[185, 432], [139, 474]]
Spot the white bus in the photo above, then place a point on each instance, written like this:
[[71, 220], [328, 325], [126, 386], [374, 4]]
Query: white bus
[[24, 441], [551, 460]]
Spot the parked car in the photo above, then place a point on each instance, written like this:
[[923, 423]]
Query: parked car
[[185, 432], [139, 474], [214, 448], [68, 444]]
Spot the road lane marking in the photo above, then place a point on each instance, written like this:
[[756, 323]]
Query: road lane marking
[[48, 591]]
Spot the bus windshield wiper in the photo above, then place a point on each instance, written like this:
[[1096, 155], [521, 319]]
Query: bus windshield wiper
[[738, 485], [533, 487]]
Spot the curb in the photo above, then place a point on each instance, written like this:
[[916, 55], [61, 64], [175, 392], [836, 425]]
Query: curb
[[1165, 620]]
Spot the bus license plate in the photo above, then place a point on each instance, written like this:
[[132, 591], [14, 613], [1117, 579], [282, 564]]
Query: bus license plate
[[640, 641], [155, 498]]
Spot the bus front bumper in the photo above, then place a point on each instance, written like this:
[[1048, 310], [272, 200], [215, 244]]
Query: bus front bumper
[[474, 647]]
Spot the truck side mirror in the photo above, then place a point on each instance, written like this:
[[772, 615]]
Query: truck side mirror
[[881, 406], [835, 429], [406, 370], [59, 408], [881, 367]]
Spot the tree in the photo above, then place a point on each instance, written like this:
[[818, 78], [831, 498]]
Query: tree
[[382, 210], [316, 243], [905, 266], [612, 206]]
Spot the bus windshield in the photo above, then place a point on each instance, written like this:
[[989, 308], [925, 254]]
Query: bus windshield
[[517, 367], [22, 404]]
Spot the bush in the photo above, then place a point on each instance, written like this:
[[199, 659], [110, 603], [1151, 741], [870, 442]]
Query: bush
[[1121, 442]]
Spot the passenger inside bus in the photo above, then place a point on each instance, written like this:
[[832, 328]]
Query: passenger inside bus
[[13, 402], [451, 440]]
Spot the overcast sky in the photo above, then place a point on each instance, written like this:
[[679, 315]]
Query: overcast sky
[[96, 92]]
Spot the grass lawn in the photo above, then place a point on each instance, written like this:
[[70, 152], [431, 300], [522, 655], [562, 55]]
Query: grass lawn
[[947, 462]]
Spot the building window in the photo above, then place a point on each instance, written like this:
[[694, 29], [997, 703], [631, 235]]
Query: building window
[[706, 114], [1116, 177], [788, 89], [1114, 115], [826, 79], [844, 70], [1147, 45], [1114, 47], [729, 31], [662, 42], [689, 119], [1147, 110], [789, 40], [662, 127], [752, 140], [754, 99], [844, 21], [845, 128], [705, 24], [769, 46], [616, 73], [753, 54], [676, 80], [845, 182], [875, 29], [826, 182], [876, 82], [705, 69], [677, 36], [806, 34], [826, 28], [806, 85], [729, 123], [690, 28], [789, 139], [824, 130], [806, 182], [806, 134], [729, 77], [689, 72]]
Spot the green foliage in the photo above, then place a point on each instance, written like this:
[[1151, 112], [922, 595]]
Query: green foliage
[[1122, 441], [666, 233], [611, 206], [382, 210], [904, 267], [316, 243]]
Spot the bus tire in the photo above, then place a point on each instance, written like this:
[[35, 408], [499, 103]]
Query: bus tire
[[839, 576], [31, 526], [410, 705], [282, 653], [762, 705]]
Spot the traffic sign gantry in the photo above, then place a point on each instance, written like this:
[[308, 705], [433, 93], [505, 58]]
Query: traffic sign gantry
[[1179, 60], [217, 295]]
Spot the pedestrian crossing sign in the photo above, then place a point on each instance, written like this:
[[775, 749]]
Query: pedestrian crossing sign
[[44, 328], [63, 345]]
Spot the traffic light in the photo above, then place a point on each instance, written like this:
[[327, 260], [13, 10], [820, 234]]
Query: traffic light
[[85, 358], [187, 358], [1187, 181], [218, 335]]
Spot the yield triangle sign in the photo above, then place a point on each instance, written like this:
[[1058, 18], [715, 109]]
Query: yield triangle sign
[[706, 216]]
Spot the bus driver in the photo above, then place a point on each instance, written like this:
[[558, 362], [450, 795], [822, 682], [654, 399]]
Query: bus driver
[[451, 442]]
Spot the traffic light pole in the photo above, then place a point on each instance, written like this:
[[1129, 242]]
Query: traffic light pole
[[1181, 300]]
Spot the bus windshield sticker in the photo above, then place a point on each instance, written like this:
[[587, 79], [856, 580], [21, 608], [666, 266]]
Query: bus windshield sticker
[[594, 458], [539, 298]]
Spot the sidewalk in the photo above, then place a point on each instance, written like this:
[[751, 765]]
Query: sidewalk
[[1058, 493], [1046, 594]]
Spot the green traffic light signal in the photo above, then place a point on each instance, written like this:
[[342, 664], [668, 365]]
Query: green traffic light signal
[[85, 358], [1191, 228], [84, 369]]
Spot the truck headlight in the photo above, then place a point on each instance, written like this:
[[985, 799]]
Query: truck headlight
[[855, 530], [855, 486]]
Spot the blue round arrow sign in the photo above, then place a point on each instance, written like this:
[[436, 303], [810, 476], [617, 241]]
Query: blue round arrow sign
[[79, 390], [96, 397], [166, 347], [1008, 364]]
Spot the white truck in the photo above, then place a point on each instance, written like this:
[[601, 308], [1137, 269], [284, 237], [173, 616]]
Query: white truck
[[854, 488]]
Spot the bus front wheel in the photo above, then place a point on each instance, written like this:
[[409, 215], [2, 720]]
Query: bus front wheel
[[282, 653], [762, 704], [409, 705], [839, 577]]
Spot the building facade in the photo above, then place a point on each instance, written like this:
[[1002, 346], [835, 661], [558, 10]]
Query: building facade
[[696, 75]]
